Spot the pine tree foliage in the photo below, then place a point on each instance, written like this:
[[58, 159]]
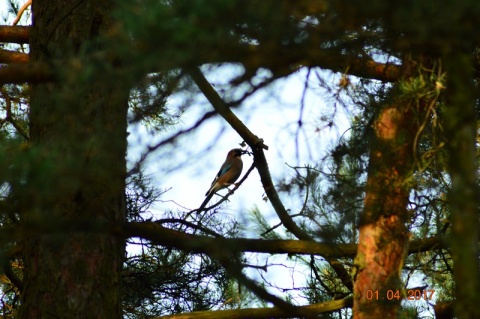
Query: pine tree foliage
[[390, 209]]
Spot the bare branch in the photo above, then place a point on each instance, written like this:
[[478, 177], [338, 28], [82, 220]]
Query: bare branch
[[160, 235], [21, 73], [9, 117], [225, 198], [260, 162], [21, 11], [257, 146], [169, 140], [260, 313], [16, 34], [7, 56]]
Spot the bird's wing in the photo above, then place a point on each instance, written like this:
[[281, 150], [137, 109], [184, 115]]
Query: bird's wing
[[225, 167]]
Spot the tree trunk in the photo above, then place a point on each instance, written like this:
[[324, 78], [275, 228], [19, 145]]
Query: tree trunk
[[383, 238], [78, 135]]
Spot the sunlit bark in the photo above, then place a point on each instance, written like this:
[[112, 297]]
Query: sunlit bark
[[383, 238]]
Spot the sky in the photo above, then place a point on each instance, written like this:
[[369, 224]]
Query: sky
[[271, 115]]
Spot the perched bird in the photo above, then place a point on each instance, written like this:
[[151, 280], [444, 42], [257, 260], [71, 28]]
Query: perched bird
[[228, 174]]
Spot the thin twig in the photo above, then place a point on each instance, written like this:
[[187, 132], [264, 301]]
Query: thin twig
[[21, 11]]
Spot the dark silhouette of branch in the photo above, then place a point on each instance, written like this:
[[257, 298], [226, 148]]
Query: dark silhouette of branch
[[9, 117], [161, 235], [169, 140], [230, 193], [287, 60], [261, 313], [257, 146]]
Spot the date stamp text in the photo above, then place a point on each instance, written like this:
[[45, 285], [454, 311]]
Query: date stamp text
[[412, 294]]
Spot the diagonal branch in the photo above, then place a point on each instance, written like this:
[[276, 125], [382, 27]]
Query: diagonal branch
[[231, 265], [257, 146], [9, 117], [225, 198], [21, 11]]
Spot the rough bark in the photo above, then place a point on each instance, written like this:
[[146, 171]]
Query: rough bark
[[383, 238], [78, 135]]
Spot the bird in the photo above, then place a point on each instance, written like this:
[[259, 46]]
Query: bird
[[227, 175]]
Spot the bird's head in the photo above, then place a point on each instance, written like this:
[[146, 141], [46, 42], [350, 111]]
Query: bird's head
[[236, 152]]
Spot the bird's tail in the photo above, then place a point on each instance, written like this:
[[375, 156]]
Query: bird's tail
[[205, 202]]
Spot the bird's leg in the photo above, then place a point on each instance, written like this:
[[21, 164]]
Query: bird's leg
[[220, 195], [229, 190], [223, 197]]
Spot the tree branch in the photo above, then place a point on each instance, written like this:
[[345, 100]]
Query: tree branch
[[9, 117], [15, 34], [21, 73], [160, 235], [257, 146], [260, 313], [7, 267], [230, 193], [286, 60], [260, 161], [21, 11], [7, 56], [197, 243]]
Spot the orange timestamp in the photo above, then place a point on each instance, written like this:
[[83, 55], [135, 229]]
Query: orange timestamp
[[412, 294]]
